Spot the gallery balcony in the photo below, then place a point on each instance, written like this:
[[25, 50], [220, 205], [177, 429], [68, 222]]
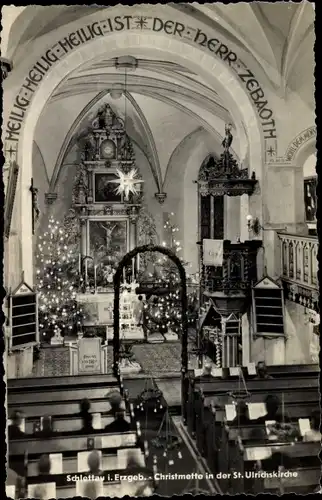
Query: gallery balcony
[[299, 268], [229, 286]]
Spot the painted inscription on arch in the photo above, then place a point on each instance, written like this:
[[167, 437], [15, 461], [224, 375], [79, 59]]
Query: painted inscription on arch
[[120, 23], [299, 140]]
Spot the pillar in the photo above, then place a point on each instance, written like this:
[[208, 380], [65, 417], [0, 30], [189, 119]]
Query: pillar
[[245, 340], [244, 211]]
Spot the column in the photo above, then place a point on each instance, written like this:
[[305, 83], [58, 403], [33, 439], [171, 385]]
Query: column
[[132, 242], [83, 240], [245, 340], [23, 197], [244, 211]]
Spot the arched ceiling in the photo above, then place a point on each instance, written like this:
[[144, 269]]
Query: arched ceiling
[[163, 101]]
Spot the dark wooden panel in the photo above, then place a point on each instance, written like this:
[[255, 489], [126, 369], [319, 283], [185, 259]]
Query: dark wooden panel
[[37, 446], [71, 394], [33, 383]]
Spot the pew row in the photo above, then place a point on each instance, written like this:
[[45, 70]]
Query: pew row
[[70, 465], [72, 444], [58, 408], [69, 423], [81, 381], [73, 394]]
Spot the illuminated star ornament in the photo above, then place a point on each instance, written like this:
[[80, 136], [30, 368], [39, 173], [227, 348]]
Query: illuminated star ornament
[[127, 183]]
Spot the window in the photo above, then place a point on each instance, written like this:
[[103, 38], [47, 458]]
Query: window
[[212, 217], [310, 185]]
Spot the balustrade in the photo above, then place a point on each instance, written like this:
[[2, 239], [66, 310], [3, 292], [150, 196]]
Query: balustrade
[[299, 259]]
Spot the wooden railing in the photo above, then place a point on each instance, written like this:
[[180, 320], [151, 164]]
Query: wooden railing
[[299, 262]]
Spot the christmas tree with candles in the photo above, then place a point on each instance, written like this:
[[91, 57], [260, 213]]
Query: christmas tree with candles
[[57, 282], [165, 311]]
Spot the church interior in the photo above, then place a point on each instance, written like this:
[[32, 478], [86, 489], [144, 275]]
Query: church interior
[[160, 250]]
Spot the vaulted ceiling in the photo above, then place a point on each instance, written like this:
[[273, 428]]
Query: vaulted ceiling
[[164, 102]]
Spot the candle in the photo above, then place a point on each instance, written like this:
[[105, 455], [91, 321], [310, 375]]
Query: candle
[[138, 264], [133, 270], [80, 264], [124, 274], [95, 285], [85, 271]]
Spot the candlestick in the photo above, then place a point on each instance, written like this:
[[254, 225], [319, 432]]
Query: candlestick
[[86, 272], [95, 284]]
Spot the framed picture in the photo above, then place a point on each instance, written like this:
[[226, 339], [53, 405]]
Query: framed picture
[[310, 199], [104, 189], [108, 240]]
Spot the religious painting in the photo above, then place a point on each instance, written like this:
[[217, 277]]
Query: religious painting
[[310, 199], [108, 243], [105, 190]]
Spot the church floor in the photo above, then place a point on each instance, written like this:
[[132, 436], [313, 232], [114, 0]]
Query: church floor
[[155, 359]]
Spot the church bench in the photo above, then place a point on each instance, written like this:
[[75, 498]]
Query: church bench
[[276, 371], [110, 462], [247, 458], [72, 394], [109, 475], [291, 399], [111, 489], [223, 386], [301, 481], [74, 381], [72, 444], [58, 408], [68, 423]]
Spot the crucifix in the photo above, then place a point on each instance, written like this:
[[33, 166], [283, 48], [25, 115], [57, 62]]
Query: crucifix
[[34, 205]]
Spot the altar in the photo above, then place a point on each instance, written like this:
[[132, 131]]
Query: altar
[[98, 311]]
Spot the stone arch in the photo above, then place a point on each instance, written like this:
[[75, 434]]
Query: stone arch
[[216, 72], [127, 259]]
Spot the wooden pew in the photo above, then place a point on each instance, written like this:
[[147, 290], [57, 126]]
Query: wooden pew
[[58, 408], [301, 482], [286, 389], [112, 489], [70, 464], [68, 423], [211, 434], [276, 371], [42, 383], [246, 461], [73, 444], [72, 394]]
